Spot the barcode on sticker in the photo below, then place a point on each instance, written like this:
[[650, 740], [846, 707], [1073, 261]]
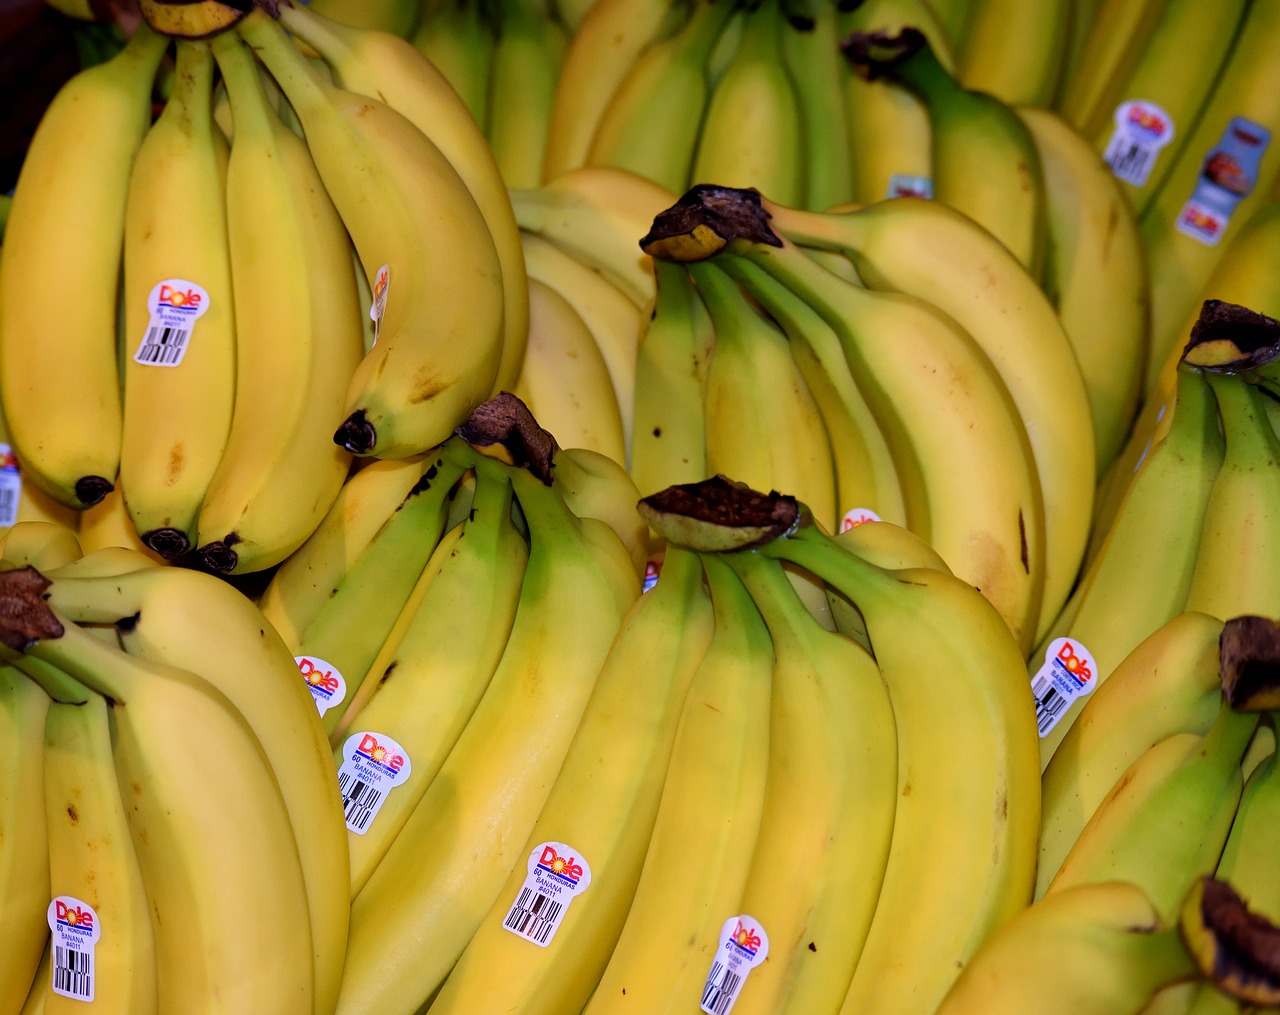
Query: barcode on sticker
[[73, 973], [8, 504], [721, 989], [555, 874], [163, 346], [1066, 674], [534, 916], [372, 766], [1049, 704], [1130, 160], [360, 802]]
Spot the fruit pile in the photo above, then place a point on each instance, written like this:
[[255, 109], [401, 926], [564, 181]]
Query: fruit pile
[[645, 505]]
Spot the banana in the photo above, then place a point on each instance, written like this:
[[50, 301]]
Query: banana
[[1233, 945], [1035, 962], [1166, 819], [889, 134], [178, 740], [615, 322], [912, 397], [652, 122], [59, 382], [605, 814], [399, 17], [830, 799], [422, 693], [565, 380], [929, 920], [193, 622], [1224, 172], [435, 359], [34, 1004], [597, 214], [596, 486], [668, 437], [752, 133], [1113, 42], [93, 865], [383, 65], [105, 560], [24, 850], [929, 251], [1246, 865], [1138, 580], [984, 161], [457, 39], [523, 71], [298, 339], [599, 59], [699, 851], [352, 624], [1025, 74], [1169, 84], [179, 341], [865, 476], [1168, 685], [811, 52], [302, 584], [1234, 570], [1095, 276], [578, 583], [763, 426], [43, 545]]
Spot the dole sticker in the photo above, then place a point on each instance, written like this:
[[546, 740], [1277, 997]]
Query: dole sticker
[[652, 569], [378, 309], [857, 516], [556, 874], [75, 931], [10, 487], [743, 946], [1228, 175], [1142, 129], [904, 185], [323, 681], [1068, 673], [174, 306], [372, 766]]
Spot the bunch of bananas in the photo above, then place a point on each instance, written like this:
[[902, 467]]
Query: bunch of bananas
[[169, 806], [204, 381]]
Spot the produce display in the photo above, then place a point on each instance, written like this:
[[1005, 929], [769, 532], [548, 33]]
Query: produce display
[[592, 506]]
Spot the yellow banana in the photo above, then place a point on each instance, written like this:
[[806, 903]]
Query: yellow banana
[[707, 819], [59, 380], [43, 545], [435, 359], [93, 865], [457, 39], [1025, 74], [604, 814], [298, 339], [179, 341]]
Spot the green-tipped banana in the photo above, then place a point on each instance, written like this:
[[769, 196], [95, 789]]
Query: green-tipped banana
[[1138, 580], [829, 804], [578, 583], [1169, 684], [604, 814], [652, 123], [1092, 948], [763, 426], [699, 850], [984, 161], [422, 693]]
